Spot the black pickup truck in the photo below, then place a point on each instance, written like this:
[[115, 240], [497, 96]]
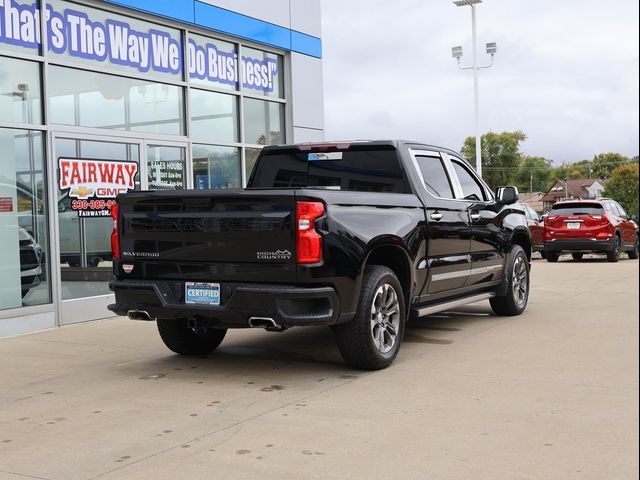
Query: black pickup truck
[[360, 236]]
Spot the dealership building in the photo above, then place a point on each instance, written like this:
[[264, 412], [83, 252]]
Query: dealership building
[[101, 97]]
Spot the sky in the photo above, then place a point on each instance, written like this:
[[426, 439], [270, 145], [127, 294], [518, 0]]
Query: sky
[[566, 73]]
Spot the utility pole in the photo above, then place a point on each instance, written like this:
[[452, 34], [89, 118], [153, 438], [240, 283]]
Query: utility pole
[[530, 181]]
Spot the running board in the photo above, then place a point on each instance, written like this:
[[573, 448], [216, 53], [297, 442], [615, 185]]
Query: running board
[[441, 307]]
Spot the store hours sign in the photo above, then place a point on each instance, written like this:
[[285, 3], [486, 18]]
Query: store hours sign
[[92, 184], [116, 41]]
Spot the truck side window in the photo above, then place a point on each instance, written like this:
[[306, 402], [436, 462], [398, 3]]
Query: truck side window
[[471, 189], [435, 177]]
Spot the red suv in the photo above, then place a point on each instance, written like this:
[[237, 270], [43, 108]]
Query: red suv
[[536, 227], [584, 226]]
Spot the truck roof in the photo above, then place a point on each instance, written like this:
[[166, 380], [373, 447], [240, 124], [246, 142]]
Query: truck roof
[[346, 144]]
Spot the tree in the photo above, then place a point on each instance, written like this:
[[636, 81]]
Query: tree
[[623, 187], [566, 170], [533, 172], [500, 154], [600, 167], [604, 164]]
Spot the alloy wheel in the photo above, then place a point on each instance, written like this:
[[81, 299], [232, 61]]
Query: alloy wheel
[[519, 282], [385, 318]]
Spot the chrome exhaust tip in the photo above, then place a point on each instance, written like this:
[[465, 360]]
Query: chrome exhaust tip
[[263, 322], [139, 315]]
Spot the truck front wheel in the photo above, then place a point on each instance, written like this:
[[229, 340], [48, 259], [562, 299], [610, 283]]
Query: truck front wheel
[[371, 340], [182, 339], [515, 299]]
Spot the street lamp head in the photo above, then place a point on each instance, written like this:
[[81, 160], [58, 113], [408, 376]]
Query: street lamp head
[[492, 48], [456, 52], [464, 3]]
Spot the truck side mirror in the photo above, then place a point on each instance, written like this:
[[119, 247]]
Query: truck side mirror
[[507, 195]]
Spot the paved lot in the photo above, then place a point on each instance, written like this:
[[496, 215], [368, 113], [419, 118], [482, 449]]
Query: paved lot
[[552, 394]]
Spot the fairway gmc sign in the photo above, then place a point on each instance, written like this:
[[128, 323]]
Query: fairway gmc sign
[[93, 184]]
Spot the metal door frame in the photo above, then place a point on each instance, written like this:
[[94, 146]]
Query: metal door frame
[[81, 309], [188, 168]]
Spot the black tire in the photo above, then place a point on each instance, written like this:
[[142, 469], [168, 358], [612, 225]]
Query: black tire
[[355, 338], [179, 338], [577, 256], [74, 262], [514, 301], [633, 254], [613, 255], [552, 257], [93, 262], [543, 254]]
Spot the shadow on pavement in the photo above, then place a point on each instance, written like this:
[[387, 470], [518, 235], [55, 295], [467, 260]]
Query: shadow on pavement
[[263, 352]]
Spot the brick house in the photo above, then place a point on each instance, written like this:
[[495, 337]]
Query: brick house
[[578, 188]]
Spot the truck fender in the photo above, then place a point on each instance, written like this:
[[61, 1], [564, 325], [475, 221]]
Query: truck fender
[[391, 252]]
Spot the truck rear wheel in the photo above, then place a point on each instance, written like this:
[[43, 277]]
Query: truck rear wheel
[[514, 301], [179, 338], [371, 340]]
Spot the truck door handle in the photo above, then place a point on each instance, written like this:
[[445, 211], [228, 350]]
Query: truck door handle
[[475, 216], [436, 216]]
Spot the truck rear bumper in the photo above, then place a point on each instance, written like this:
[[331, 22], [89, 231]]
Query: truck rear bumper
[[287, 306], [577, 245]]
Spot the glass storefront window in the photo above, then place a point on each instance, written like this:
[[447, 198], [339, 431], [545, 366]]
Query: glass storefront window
[[123, 44], [20, 91], [212, 63], [90, 99], [236, 97], [263, 73], [250, 157], [263, 122], [26, 37], [166, 167], [214, 116], [216, 167], [23, 220], [83, 217]]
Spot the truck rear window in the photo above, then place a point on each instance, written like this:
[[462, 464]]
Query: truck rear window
[[366, 170], [577, 209]]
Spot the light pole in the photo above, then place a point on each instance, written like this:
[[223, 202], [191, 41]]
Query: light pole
[[456, 52]]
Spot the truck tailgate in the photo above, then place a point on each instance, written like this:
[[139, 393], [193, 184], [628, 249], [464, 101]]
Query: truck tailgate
[[217, 235]]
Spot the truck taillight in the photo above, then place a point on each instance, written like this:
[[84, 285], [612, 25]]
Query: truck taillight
[[308, 241], [115, 238]]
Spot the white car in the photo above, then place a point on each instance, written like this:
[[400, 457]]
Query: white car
[[30, 261], [97, 230]]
